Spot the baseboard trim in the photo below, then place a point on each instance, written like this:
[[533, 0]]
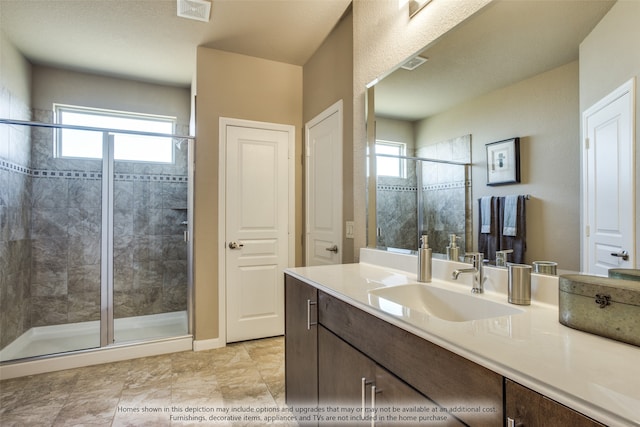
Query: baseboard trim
[[93, 357], [210, 344]]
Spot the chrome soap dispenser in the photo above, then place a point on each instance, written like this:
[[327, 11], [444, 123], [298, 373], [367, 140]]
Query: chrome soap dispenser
[[453, 251], [424, 260]]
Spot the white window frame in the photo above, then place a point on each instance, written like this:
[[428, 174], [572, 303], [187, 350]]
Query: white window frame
[[59, 109], [402, 163]]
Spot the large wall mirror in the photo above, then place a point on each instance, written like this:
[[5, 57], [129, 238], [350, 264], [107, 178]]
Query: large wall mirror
[[493, 77]]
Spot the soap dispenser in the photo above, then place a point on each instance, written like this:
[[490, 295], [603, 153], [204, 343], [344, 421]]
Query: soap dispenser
[[453, 251], [424, 260]]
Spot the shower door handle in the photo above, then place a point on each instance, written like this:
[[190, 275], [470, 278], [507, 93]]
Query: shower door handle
[[235, 245]]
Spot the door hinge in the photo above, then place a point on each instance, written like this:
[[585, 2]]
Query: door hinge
[[586, 143], [587, 231]]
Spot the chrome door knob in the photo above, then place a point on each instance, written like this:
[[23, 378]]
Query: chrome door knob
[[333, 249], [235, 245], [622, 254]]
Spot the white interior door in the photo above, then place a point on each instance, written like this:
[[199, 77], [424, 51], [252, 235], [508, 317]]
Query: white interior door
[[324, 187], [257, 222], [609, 183]]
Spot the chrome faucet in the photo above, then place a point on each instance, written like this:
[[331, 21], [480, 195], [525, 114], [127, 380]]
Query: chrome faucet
[[478, 273]]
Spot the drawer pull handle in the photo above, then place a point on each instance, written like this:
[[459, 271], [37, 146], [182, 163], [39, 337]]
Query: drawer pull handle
[[364, 384], [374, 391], [309, 323], [513, 423]]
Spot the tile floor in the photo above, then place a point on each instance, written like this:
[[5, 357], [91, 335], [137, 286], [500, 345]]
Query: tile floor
[[128, 393]]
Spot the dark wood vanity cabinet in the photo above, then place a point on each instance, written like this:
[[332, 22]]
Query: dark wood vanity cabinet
[[409, 368], [301, 343], [449, 380], [331, 345], [527, 408]]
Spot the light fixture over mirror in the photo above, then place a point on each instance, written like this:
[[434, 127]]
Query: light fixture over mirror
[[416, 6]]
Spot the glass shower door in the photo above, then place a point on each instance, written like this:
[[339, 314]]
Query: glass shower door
[[51, 285], [150, 266]]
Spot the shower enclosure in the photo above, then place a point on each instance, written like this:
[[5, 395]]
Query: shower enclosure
[[427, 196], [94, 252]]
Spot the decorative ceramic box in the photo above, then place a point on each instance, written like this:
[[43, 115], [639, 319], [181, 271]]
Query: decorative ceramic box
[[625, 273], [603, 306]]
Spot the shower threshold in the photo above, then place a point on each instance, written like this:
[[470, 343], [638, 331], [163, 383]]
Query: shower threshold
[[48, 340]]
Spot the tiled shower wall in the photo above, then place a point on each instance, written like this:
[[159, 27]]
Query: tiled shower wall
[[396, 210], [15, 214], [150, 255], [51, 217], [446, 191]]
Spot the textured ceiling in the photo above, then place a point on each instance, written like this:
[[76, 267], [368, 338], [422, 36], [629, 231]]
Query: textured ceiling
[[502, 44], [145, 40]]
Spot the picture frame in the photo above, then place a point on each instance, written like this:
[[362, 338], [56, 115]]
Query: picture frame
[[503, 162]]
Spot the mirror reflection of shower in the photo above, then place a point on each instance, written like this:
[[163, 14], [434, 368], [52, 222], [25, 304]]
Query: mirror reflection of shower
[[430, 195]]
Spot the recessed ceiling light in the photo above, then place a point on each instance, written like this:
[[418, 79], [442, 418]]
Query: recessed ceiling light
[[414, 63], [200, 10]]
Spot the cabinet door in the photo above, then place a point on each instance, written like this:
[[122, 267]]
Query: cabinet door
[[341, 372], [301, 343], [525, 407], [390, 401], [396, 403]]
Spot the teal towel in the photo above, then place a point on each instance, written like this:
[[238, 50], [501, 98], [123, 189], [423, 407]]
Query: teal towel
[[510, 216]]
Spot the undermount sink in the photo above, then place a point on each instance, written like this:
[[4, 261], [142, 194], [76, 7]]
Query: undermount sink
[[452, 306]]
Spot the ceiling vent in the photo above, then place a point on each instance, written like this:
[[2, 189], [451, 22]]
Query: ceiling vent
[[413, 63], [199, 10]]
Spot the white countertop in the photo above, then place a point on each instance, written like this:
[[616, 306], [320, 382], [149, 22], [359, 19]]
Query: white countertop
[[596, 376]]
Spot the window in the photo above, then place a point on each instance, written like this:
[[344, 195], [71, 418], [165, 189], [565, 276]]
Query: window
[[71, 143], [389, 166]]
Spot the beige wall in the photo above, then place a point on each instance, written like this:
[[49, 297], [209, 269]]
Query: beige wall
[[328, 78], [91, 90], [15, 79], [608, 58], [543, 112], [241, 87], [397, 131], [384, 36]]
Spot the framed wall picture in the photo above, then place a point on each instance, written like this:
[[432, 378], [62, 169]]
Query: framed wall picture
[[503, 162]]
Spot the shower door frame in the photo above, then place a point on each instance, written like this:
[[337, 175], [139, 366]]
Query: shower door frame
[[107, 336], [107, 288], [107, 320]]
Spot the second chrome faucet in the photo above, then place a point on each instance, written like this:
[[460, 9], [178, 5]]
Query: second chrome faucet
[[476, 270]]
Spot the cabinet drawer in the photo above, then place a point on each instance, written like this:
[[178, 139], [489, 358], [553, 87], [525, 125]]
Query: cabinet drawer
[[446, 378], [528, 408]]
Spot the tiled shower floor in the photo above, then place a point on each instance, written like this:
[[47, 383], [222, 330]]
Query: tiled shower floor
[[128, 393]]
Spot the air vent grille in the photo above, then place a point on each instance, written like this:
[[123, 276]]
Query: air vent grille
[[413, 63], [194, 9]]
